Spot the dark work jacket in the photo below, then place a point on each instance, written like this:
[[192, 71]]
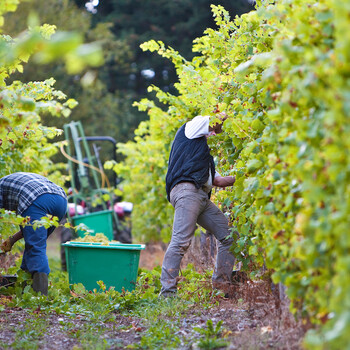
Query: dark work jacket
[[189, 161]]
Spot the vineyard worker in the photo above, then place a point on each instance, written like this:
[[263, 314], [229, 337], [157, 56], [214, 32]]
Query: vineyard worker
[[35, 196], [189, 180]]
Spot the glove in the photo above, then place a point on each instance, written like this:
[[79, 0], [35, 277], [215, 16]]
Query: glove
[[6, 245]]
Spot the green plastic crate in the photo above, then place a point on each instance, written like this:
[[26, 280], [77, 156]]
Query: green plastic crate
[[99, 222], [115, 264]]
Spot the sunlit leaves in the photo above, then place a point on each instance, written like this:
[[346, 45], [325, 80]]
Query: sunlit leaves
[[24, 141]]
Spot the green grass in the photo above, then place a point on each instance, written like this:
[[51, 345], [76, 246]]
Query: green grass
[[160, 318]]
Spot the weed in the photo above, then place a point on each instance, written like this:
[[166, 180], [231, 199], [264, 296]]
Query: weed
[[88, 336], [210, 335], [160, 335], [29, 333]]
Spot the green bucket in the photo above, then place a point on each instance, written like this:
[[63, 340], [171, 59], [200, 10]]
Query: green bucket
[[116, 264], [98, 222]]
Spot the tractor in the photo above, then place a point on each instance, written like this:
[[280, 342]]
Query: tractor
[[91, 199]]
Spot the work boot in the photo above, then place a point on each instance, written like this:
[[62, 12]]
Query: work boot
[[238, 277], [40, 282], [167, 295]]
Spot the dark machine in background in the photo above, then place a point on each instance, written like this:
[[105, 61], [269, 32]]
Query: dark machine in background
[[91, 197]]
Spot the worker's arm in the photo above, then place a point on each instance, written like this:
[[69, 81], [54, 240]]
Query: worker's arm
[[224, 181], [6, 245]]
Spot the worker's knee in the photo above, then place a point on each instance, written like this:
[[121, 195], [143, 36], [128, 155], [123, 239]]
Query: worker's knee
[[184, 247], [180, 247], [227, 241]]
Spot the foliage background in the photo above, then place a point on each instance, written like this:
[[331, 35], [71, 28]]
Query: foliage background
[[105, 106], [24, 141]]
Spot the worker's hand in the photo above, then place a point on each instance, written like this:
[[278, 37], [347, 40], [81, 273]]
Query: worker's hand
[[217, 128], [224, 181], [6, 245], [222, 116]]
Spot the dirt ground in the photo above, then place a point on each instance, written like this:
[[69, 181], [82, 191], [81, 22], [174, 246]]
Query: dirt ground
[[253, 318], [257, 323]]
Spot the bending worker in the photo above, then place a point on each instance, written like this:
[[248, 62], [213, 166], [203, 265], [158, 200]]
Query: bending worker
[[34, 196], [189, 180]]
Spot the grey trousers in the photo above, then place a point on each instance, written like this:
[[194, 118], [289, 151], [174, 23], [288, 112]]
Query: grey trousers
[[192, 206]]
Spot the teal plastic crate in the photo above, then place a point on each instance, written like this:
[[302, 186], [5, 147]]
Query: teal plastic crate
[[116, 264], [98, 222]]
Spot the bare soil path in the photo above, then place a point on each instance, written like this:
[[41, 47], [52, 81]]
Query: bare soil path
[[252, 325]]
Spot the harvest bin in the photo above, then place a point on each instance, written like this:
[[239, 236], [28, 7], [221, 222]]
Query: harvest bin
[[116, 264], [100, 221]]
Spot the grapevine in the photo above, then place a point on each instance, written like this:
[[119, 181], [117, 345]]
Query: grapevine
[[281, 75]]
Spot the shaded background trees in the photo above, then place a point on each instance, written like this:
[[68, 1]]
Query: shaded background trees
[[176, 23], [96, 104], [105, 107]]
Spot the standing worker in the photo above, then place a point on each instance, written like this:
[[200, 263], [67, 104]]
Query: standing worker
[[35, 196], [189, 180]]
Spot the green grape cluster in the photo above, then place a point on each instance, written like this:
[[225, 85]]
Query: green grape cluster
[[96, 238]]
